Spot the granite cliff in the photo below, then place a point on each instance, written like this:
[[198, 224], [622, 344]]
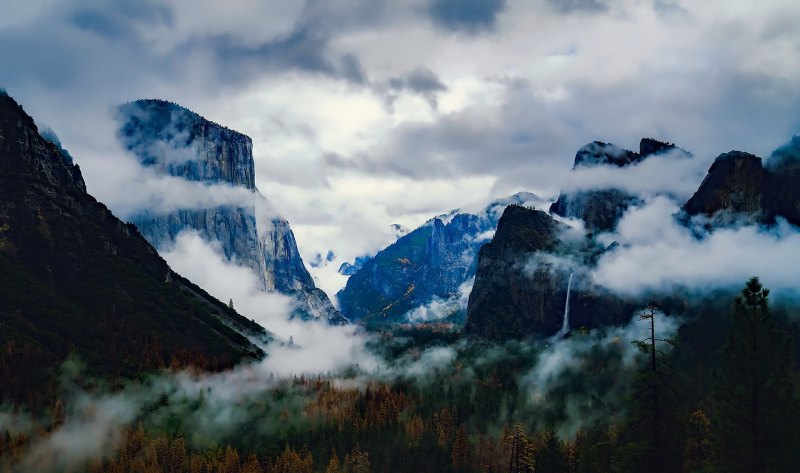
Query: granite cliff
[[173, 140]]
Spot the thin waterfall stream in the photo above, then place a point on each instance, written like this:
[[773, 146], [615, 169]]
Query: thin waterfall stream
[[565, 324]]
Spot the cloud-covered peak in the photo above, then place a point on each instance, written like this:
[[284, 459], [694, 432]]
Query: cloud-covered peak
[[788, 154]]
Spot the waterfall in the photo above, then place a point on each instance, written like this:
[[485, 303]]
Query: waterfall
[[565, 324]]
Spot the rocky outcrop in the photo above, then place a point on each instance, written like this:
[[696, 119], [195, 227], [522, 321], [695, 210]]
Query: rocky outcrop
[[601, 209], [783, 181], [285, 271], [740, 186], [734, 183], [522, 278], [598, 153], [173, 140], [179, 142], [430, 263], [349, 269], [75, 279]]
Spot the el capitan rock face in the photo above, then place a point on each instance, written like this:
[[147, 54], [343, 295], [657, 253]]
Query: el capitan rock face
[[74, 278], [176, 141]]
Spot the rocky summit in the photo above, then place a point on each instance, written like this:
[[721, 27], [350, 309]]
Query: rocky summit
[[601, 209], [175, 141], [521, 284], [741, 185]]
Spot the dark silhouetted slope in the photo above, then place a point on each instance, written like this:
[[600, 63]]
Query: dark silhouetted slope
[[520, 288], [75, 279]]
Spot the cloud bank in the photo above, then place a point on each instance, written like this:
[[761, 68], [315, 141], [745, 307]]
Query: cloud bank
[[656, 253]]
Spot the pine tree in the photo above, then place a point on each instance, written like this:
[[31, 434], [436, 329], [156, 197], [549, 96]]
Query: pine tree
[[648, 412], [756, 414], [550, 455], [177, 455], [251, 465], [460, 452], [357, 461], [333, 463], [231, 462], [697, 452], [520, 458]]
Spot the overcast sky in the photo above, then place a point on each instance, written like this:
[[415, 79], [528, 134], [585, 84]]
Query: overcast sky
[[366, 113]]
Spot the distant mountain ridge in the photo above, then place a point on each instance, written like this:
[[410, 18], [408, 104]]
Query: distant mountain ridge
[[175, 141], [430, 263], [74, 279]]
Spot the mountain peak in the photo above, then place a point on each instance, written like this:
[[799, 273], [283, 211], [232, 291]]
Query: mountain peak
[[601, 209], [735, 182], [181, 143], [788, 154], [650, 146], [35, 157], [599, 153]]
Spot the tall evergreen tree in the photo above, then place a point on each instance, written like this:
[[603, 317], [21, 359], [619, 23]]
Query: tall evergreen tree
[[520, 458], [755, 419], [648, 446]]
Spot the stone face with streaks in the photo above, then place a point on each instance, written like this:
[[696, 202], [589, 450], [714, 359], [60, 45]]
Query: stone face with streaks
[[175, 141]]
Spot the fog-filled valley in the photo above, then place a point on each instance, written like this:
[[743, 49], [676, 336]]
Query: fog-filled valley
[[425, 236]]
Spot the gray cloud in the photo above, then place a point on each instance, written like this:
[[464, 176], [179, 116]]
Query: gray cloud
[[74, 41], [570, 6], [116, 21], [528, 140], [304, 49], [466, 15], [422, 81]]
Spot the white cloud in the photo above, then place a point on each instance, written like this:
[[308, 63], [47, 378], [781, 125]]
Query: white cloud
[[316, 346], [440, 308], [656, 253], [670, 173]]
